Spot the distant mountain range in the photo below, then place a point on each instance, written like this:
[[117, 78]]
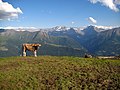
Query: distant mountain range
[[62, 40]]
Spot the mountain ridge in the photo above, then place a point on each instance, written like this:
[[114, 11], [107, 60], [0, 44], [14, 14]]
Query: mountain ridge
[[91, 40]]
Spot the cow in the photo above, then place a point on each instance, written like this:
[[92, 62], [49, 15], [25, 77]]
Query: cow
[[30, 47]]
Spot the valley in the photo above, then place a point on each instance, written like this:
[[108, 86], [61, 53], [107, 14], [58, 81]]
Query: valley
[[62, 41]]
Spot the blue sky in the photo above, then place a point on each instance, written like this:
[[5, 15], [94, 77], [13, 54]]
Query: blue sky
[[70, 13]]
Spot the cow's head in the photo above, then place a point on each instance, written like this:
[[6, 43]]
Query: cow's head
[[36, 46]]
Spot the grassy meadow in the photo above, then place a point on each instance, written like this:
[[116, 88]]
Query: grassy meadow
[[59, 73]]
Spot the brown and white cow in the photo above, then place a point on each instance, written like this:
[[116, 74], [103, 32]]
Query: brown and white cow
[[30, 47]]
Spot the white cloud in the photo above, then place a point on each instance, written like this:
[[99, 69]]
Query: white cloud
[[112, 4], [105, 27], [92, 20], [117, 2], [8, 12], [72, 22]]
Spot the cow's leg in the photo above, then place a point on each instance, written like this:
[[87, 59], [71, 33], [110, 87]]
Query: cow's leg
[[24, 53], [35, 53], [23, 50]]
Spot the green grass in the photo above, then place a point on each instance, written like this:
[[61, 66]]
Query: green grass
[[58, 73]]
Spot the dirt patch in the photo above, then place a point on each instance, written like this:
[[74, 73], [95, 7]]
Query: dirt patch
[[9, 66]]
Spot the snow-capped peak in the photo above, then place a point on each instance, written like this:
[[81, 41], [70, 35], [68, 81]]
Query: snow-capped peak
[[30, 29], [60, 28], [9, 27]]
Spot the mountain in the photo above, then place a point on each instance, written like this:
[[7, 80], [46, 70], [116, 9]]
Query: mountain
[[101, 42], [109, 42], [11, 41], [62, 41]]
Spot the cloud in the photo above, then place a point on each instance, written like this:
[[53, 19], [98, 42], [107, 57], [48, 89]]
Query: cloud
[[8, 12], [117, 2], [72, 22], [92, 20], [105, 27], [112, 4]]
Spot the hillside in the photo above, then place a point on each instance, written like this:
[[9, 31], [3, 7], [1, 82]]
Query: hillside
[[62, 41], [12, 40], [58, 73]]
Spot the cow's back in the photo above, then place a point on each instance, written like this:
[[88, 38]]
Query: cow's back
[[28, 47]]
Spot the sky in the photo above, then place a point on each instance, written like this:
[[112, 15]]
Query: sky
[[51, 13]]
